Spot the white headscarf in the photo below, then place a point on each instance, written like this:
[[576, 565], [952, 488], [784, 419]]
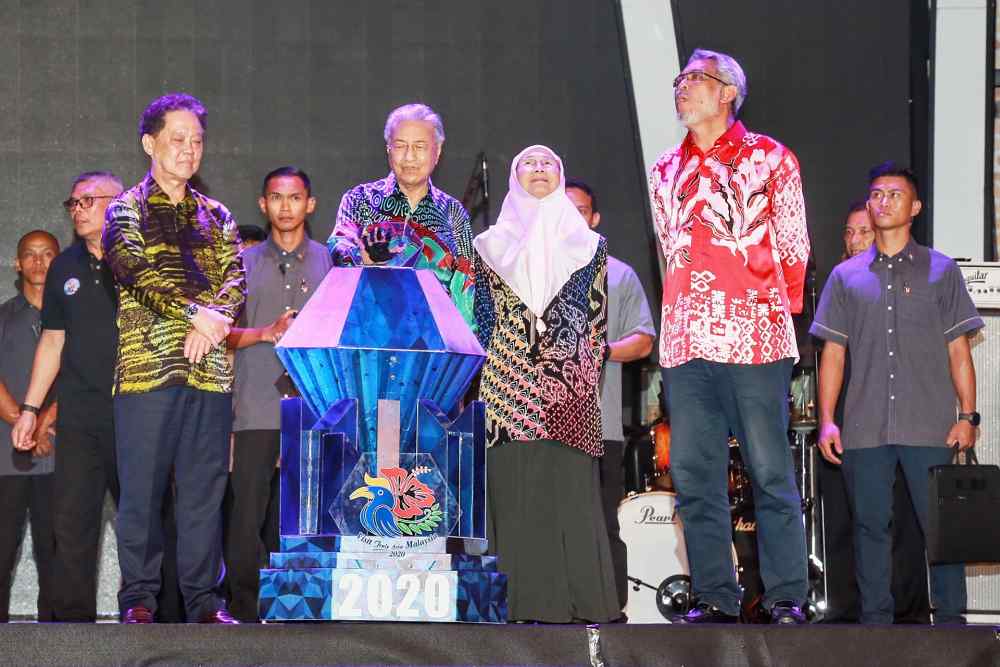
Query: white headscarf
[[537, 244]]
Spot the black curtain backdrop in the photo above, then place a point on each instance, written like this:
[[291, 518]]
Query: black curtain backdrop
[[830, 80], [310, 84]]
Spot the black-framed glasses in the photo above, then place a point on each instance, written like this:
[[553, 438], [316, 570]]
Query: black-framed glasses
[[698, 76], [85, 201]]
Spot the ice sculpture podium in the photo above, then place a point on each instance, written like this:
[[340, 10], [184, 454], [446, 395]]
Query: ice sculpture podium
[[383, 483]]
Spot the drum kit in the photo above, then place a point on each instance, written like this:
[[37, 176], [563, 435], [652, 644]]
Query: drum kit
[[658, 572]]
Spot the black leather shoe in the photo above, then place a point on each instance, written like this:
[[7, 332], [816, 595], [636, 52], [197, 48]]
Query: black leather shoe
[[786, 612], [137, 615], [220, 617], [706, 613]]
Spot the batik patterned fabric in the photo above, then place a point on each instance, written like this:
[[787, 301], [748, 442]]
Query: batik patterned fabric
[[732, 226], [165, 258], [436, 234], [541, 381]]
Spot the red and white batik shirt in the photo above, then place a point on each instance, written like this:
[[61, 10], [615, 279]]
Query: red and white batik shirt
[[732, 226]]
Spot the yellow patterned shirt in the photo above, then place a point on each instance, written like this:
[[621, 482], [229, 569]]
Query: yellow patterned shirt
[[165, 258]]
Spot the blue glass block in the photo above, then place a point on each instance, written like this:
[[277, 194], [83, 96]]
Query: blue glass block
[[390, 311], [300, 595]]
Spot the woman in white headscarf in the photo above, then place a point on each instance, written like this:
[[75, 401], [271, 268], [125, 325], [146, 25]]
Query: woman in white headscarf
[[541, 307]]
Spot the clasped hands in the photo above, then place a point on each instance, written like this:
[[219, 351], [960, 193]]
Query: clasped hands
[[208, 329]]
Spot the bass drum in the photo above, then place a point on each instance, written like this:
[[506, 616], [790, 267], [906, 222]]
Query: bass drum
[[658, 573], [657, 557]]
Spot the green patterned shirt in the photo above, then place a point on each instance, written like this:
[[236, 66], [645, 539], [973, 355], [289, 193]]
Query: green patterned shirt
[[164, 258]]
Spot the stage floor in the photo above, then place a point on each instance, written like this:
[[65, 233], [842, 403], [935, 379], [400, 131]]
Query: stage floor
[[538, 645]]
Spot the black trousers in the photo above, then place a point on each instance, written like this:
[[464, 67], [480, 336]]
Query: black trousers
[[87, 469], [185, 431], [909, 571], [251, 517], [21, 495], [612, 490]]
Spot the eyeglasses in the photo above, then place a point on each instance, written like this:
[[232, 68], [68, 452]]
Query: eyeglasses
[[698, 76], [85, 201]]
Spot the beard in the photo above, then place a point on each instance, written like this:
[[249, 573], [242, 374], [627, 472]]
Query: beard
[[699, 114]]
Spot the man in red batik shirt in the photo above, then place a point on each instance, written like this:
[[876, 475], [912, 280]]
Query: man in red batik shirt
[[729, 214]]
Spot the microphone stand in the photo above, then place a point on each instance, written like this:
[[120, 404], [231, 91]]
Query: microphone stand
[[476, 199]]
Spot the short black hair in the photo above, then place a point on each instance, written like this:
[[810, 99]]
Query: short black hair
[[890, 168], [154, 117], [252, 233], [582, 186], [37, 232], [855, 206], [287, 170]]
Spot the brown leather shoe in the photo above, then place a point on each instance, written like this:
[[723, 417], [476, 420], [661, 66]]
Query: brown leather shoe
[[220, 617], [137, 615]]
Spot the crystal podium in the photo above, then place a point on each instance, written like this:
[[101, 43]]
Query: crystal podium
[[383, 472]]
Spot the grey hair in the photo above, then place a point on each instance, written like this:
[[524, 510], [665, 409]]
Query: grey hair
[[414, 111], [728, 70], [98, 176]]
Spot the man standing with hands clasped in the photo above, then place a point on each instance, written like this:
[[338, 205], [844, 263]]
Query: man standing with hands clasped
[[903, 313]]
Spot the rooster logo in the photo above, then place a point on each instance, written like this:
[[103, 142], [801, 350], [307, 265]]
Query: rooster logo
[[398, 503]]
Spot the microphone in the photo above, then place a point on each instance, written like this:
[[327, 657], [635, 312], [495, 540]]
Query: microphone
[[486, 178]]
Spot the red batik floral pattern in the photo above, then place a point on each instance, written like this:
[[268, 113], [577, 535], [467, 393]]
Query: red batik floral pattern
[[732, 227]]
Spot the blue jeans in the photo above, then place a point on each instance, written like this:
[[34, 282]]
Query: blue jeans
[[708, 401], [869, 474], [184, 431]]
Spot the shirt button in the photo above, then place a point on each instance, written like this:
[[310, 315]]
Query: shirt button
[[288, 307], [288, 287], [892, 398], [890, 330], [891, 353], [892, 376], [890, 286], [890, 265], [890, 307]]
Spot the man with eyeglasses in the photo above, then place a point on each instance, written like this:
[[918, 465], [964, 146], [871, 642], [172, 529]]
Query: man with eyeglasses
[[282, 274], [904, 315], [402, 219], [79, 345], [729, 213]]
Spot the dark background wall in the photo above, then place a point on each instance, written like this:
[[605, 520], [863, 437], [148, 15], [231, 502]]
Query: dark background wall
[[310, 83]]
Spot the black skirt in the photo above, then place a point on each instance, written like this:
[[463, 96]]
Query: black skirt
[[546, 526]]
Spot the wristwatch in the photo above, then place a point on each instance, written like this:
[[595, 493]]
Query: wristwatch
[[971, 417], [191, 311]]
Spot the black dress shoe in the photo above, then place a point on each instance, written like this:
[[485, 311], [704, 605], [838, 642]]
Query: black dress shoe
[[219, 617], [706, 613], [786, 612], [137, 615]]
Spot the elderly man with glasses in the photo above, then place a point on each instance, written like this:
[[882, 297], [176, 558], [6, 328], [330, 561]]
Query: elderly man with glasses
[[403, 219], [729, 214]]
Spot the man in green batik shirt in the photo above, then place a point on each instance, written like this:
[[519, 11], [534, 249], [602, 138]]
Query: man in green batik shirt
[[402, 219]]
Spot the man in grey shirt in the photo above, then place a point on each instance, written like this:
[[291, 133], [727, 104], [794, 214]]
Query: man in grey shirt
[[903, 313], [281, 273], [26, 484], [630, 337]]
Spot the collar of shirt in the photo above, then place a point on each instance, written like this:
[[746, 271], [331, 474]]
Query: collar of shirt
[[391, 189], [733, 136], [276, 252], [154, 194], [910, 253]]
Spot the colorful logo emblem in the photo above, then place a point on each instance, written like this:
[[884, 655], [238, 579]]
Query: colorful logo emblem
[[398, 503], [71, 286]]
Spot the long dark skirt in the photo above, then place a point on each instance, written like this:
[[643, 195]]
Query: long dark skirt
[[546, 526]]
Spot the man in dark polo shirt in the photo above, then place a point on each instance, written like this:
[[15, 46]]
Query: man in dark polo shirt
[[79, 344], [282, 273], [26, 477], [904, 315]]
